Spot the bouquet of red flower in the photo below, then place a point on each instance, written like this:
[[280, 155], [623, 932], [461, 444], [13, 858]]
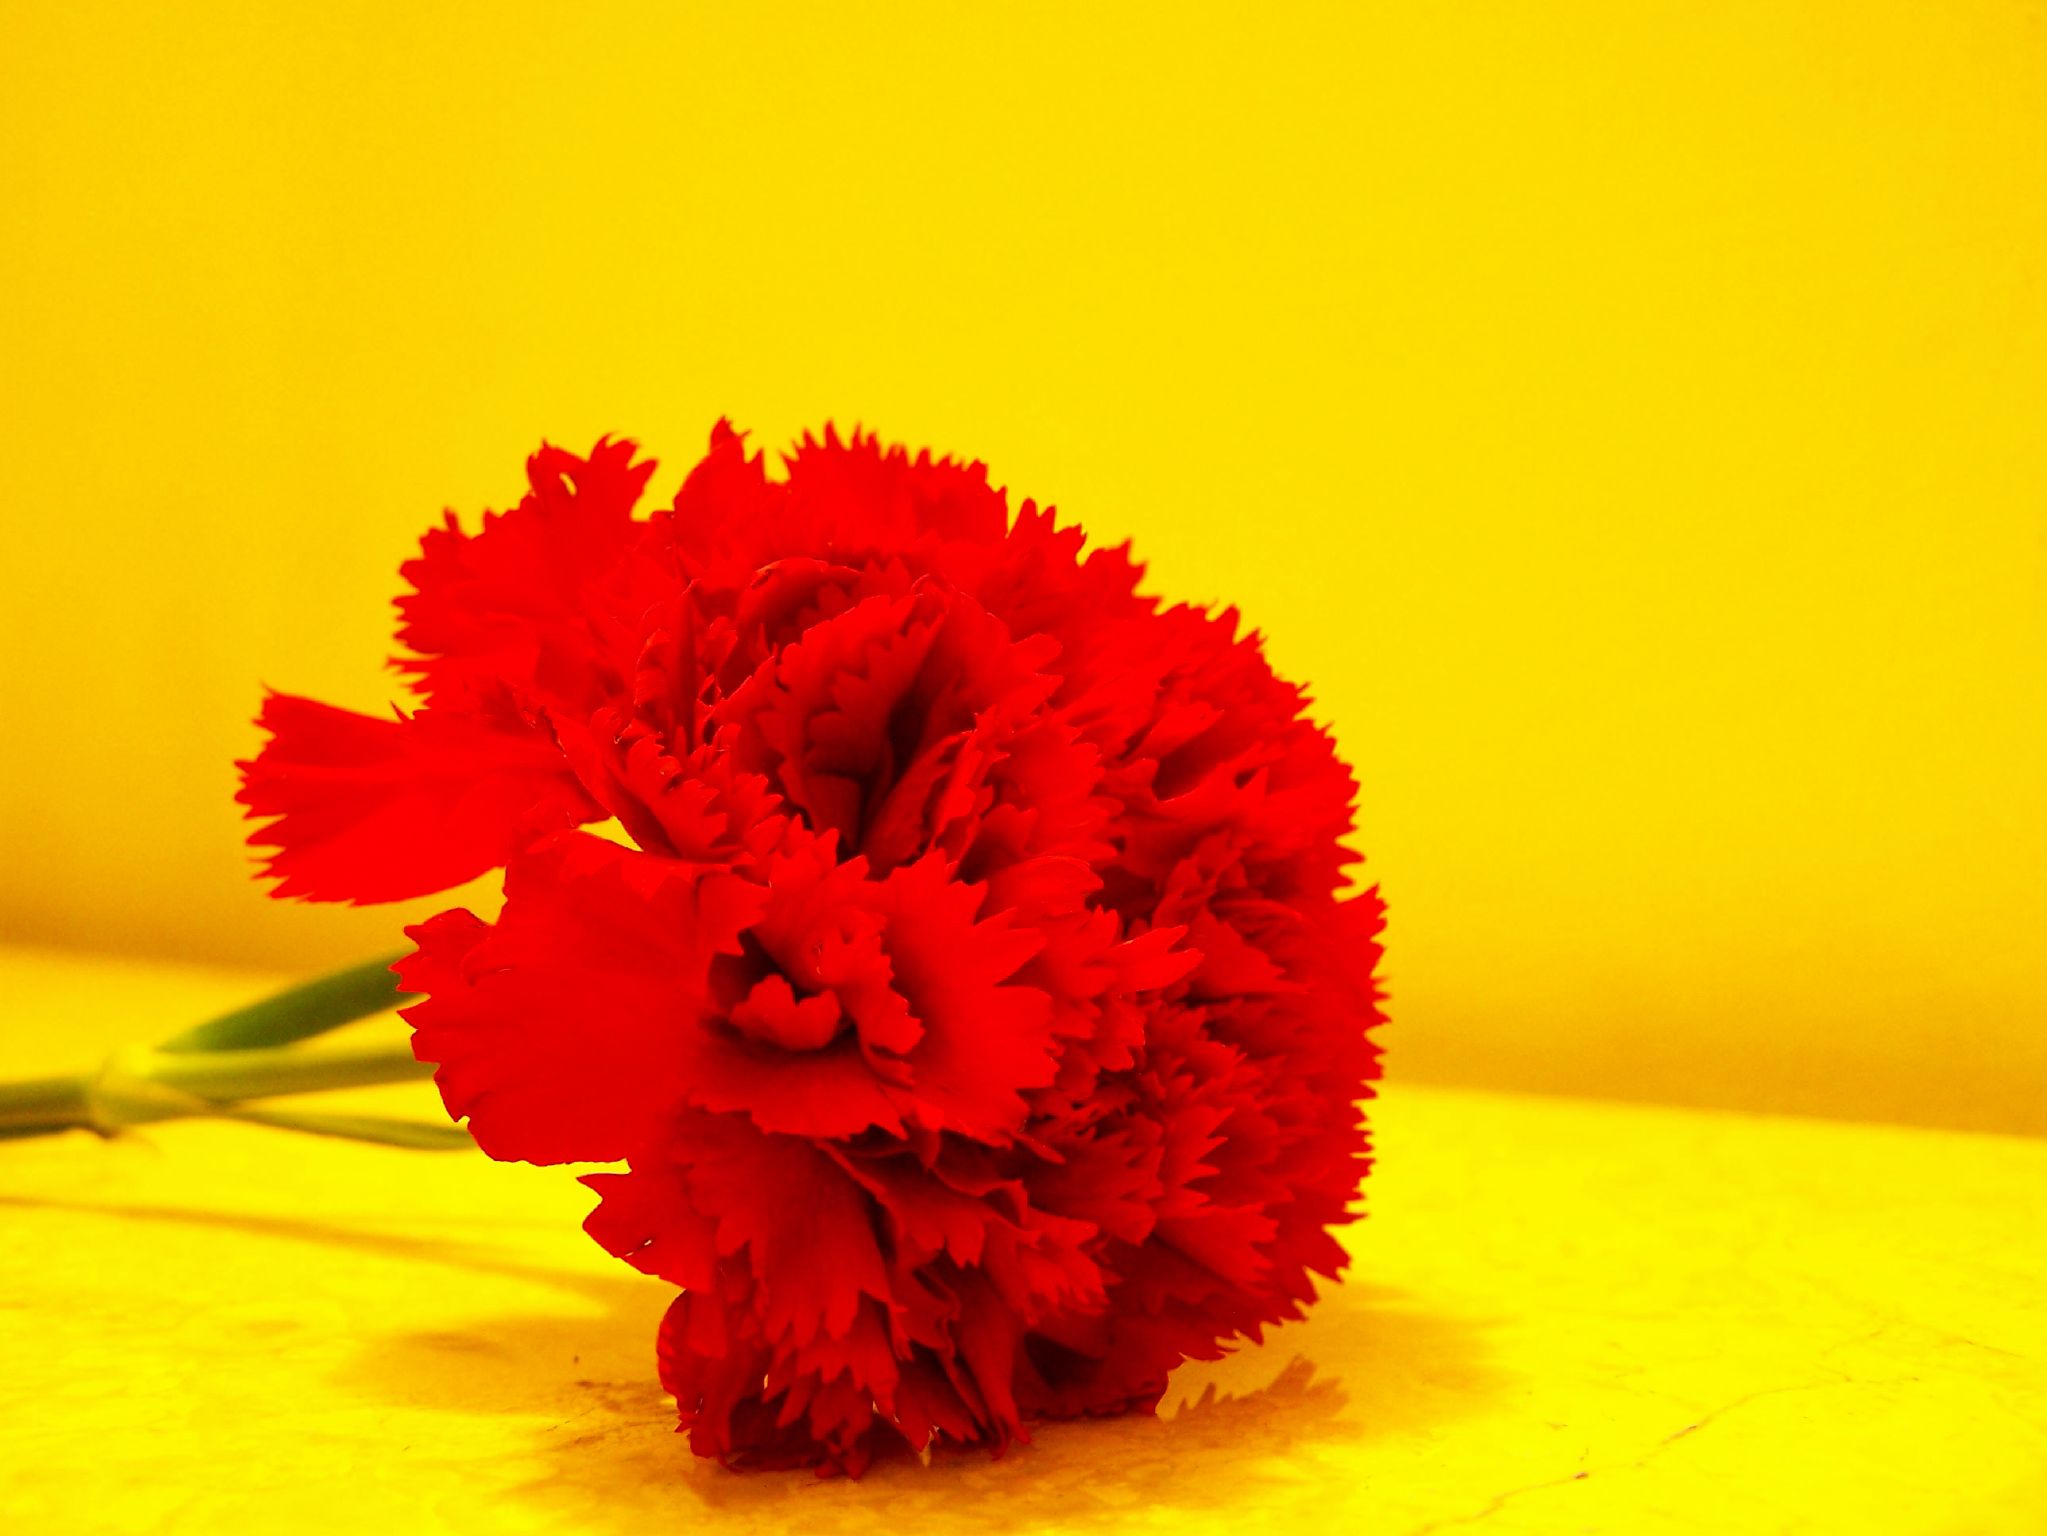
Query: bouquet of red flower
[[945, 937]]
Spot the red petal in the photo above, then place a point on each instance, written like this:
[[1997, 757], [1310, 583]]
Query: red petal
[[566, 1032], [806, 1227], [984, 1042], [644, 1217], [825, 1093], [857, 492], [369, 809], [507, 604]]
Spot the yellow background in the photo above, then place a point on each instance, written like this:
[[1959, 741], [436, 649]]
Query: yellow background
[[1627, 418]]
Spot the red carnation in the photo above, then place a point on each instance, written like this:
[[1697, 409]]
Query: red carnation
[[973, 1008]]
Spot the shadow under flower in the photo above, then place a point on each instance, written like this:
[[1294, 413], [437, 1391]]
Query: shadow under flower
[[1230, 1435]]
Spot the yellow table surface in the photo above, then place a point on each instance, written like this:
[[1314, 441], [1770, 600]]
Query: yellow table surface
[[1565, 1316]]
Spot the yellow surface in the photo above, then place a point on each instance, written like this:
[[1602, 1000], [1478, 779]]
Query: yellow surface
[[1564, 1317], [1626, 417]]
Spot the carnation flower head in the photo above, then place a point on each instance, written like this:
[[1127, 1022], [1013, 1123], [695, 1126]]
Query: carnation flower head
[[969, 995]]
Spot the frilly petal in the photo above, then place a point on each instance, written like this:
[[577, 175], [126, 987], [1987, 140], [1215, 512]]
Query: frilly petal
[[366, 809]]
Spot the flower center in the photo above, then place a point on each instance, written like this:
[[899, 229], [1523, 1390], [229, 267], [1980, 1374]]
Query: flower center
[[773, 1014]]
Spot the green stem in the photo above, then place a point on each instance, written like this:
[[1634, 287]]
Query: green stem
[[325, 1003], [45, 1104], [138, 1086], [252, 1054], [227, 1075]]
